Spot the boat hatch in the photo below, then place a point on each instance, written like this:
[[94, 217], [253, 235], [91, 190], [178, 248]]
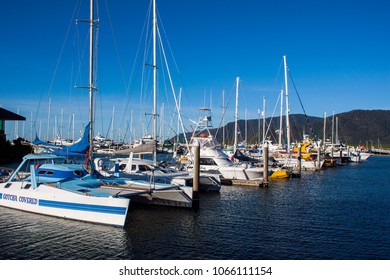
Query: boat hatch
[[83, 190]]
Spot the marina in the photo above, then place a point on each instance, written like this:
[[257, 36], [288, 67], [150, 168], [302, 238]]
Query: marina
[[335, 213], [262, 184]]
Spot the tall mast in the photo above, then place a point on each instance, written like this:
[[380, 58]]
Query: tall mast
[[281, 119], [178, 119], [258, 129], [287, 106], [332, 129], [337, 130], [223, 118], [324, 137], [246, 128], [154, 82], [236, 116], [263, 120], [91, 85], [48, 121]]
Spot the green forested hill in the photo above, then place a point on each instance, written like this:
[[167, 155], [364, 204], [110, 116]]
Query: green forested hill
[[364, 127]]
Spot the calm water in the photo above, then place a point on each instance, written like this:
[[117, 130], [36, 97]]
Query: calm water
[[338, 213]]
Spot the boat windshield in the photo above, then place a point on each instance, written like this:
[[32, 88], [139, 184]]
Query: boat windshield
[[24, 169]]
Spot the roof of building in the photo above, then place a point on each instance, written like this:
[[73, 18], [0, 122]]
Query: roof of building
[[6, 115]]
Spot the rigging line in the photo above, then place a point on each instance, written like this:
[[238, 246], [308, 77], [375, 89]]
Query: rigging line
[[166, 38], [61, 52], [171, 83], [115, 44], [148, 40], [272, 117], [133, 69], [225, 109], [58, 62], [300, 101]]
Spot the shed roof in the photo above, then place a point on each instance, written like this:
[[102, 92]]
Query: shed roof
[[6, 115]]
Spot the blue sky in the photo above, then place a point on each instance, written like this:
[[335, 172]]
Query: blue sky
[[337, 53]]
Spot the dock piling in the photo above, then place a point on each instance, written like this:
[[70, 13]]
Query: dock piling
[[299, 160], [265, 173], [318, 157], [195, 185]]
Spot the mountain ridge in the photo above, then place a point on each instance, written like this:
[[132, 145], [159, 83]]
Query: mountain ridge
[[356, 127]]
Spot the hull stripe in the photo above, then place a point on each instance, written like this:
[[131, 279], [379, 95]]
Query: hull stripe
[[83, 207]]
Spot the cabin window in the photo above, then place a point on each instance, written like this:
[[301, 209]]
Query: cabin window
[[45, 172], [206, 161], [122, 166], [78, 173], [144, 168], [27, 186], [7, 185]]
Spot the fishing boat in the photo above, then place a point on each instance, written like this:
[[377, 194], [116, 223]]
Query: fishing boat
[[212, 159]]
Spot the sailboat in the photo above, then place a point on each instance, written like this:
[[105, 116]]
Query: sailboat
[[47, 184], [289, 159], [122, 182], [80, 147]]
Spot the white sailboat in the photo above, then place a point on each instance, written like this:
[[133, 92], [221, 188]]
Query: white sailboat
[[122, 181], [287, 159], [46, 184]]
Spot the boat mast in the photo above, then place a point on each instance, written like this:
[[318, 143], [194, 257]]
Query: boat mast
[[287, 107], [324, 137], [154, 82], [263, 120], [223, 119], [236, 116], [258, 128], [91, 86], [48, 121], [281, 119], [246, 128]]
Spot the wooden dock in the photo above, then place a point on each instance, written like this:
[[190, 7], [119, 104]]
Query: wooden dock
[[238, 182], [380, 151]]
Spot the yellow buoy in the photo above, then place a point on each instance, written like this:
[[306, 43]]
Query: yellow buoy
[[279, 174]]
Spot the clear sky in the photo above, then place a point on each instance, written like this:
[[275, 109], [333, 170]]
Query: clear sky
[[337, 52]]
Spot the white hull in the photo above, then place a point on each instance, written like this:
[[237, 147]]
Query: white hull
[[157, 194], [53, 201], [308, 165], [235, 172]]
